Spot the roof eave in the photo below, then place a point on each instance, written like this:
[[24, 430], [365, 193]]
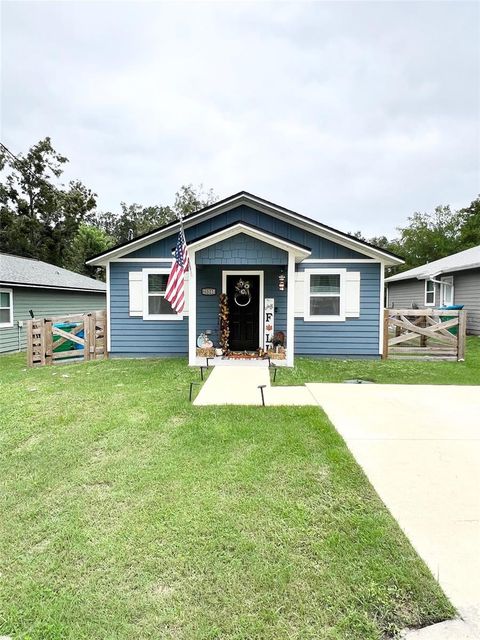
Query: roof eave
[[244, 197], [6, 283]]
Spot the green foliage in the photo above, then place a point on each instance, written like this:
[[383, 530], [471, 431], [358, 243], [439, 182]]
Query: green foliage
[[470, 230], [59, 224], [88, 242], [37, 218], [47, 221], [189, 199], [135, 220], [430, 236]]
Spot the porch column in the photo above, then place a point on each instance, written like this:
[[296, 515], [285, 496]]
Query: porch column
[[192, 311], [290, 309]]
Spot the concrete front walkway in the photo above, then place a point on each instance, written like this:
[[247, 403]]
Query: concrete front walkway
[[420, 448], [239, 384]]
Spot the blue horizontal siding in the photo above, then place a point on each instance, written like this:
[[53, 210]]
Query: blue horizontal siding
[[355, 337], [134, 335], [320, 247], [207, 306]]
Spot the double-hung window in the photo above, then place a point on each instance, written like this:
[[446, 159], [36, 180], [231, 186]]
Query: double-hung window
[[325, 294], [447, 296], [6, 308], [429, 293], [155, 307]]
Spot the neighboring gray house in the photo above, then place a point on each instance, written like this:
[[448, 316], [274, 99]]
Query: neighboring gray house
[[46, 289], [451, 280]]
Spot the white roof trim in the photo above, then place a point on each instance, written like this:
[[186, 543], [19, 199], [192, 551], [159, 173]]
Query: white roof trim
[[461, 261], [236, 229], [271, 209], [50, 286]]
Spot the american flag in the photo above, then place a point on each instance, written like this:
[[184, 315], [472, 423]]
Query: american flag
[[175, 293]]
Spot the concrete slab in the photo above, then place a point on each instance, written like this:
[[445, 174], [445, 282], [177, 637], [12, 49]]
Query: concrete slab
[[289, 396], [233, 385], [449, 630], [239, 385], [420, 448]]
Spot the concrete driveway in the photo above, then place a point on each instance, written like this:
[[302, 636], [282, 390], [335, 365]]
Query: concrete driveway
[[420, 448]]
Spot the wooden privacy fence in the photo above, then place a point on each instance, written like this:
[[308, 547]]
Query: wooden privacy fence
[[76, 337], [424, 334]]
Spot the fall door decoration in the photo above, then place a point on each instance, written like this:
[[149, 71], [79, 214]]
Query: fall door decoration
[[223, 322]]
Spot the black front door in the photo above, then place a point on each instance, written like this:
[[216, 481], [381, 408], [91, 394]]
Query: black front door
[[243, 293]]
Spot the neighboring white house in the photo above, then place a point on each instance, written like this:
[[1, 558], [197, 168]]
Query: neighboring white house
[[451, 280]]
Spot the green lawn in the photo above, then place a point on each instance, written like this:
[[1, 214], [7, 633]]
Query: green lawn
[[387, 371], [128, 513]]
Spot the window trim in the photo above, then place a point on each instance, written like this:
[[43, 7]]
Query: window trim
[[156, 316], [342, 295], [9, 324], [448, 284], [434, 291]]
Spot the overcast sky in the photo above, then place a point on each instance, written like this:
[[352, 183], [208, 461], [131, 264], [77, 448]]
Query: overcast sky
[[356, 114]]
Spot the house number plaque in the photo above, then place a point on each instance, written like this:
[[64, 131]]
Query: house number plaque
[[209, 291]]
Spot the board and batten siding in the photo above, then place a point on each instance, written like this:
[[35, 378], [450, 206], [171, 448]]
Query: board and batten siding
[[134, 336], [357, 337], [44, 303]]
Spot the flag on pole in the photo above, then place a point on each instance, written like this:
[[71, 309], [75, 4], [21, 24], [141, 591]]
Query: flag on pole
[[175, 293]]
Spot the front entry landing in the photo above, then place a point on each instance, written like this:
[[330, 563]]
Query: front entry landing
[[244, 294]]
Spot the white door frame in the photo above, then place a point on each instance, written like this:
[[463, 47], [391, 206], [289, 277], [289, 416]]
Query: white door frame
[[261, 300]]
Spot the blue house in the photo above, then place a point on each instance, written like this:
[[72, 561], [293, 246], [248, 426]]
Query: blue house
[[319, 290]]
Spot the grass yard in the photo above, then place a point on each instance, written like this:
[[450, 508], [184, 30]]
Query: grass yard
[[387, 371], [128, 513]]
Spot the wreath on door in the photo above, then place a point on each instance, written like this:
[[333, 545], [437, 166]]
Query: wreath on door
[[242, 296]]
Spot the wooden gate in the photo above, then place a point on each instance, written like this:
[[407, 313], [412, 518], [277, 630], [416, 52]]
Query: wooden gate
[[76, 337], [424, 334]]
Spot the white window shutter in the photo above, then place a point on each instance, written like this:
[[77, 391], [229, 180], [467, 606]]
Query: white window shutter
[[352, 294], [135, 293], [298, 306]]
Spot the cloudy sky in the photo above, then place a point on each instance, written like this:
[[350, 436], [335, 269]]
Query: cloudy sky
[[354, 113]]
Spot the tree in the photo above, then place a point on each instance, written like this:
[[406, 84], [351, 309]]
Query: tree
[[135, 220], [39, 220], [470, 229], [189, 199], [382, 242], [430, 236], [88, 242]]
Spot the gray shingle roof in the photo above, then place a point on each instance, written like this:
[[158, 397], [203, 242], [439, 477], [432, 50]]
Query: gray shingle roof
[[26, 271], [468, 259]]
